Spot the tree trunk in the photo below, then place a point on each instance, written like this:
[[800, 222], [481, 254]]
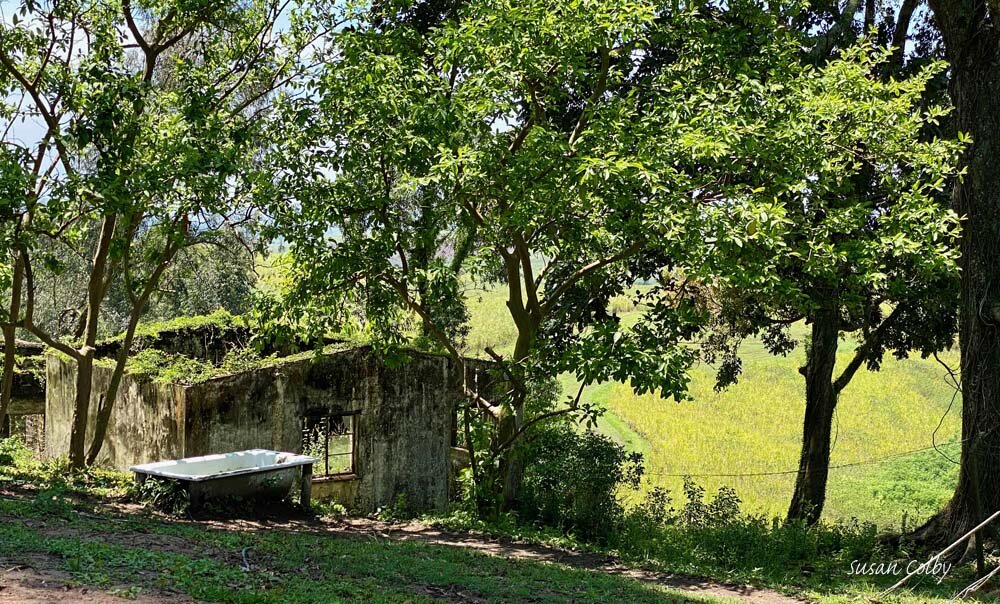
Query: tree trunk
[[511, 461], [85, 363], [821, 400], [974, 55], [81, 408], [10, 347], [111, 394]]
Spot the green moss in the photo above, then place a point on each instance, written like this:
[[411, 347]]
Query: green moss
[[165, 368], [176, 368], [33, 366], [220, 319]]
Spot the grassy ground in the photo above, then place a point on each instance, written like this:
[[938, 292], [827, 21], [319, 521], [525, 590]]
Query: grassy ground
[[136, 555], [71, 527], [755, 427], [73, 531]]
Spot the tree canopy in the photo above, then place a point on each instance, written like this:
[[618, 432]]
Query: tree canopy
[[566, 152]]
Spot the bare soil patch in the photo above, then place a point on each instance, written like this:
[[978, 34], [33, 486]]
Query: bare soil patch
[[38, 580]]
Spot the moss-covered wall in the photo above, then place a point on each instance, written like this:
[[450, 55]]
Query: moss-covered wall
[[26, 413], [208, 342], [403, 432], [147, 422], [28, 393]]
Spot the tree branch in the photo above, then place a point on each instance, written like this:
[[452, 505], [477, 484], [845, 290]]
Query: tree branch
[[899, 35], [861, 354], [586, 270]]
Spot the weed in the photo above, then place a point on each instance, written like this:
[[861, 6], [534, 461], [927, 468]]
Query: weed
[[165, 495], [54, 501], [398, 511]]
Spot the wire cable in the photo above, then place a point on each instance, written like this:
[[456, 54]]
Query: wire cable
[[787, 472]]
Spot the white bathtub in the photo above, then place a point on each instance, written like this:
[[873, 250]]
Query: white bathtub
[[256, 472]]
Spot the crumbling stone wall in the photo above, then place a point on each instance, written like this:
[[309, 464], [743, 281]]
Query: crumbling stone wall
[[205, 342], [403, 431], [147, 422], [26, 417], [404, 425]]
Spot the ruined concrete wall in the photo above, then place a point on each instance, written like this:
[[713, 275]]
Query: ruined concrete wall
[[338, 490], [403, 431], [205, 342], [27, 405], [407, 439], [147, 422], [264, 407], [31, 430], [60, 390]]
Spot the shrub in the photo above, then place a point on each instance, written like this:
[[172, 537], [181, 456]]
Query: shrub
[[714, 536], [54, 501], [572, 481], [164, 495], [11, 449], [166, 368]]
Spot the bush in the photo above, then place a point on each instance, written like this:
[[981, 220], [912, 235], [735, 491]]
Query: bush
[[572, 480], [164, 495], [714, 536], [11, 449]]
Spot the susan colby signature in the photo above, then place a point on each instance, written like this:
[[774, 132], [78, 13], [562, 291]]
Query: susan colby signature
[[935, 568]]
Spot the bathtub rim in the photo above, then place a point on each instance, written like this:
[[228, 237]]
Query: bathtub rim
[[159, 468]]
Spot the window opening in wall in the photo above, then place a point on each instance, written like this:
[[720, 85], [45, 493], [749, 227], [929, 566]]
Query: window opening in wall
[[331, 438]]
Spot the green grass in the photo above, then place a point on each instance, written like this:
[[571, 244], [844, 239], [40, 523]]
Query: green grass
[[755, 426], [131, 555], [64, 518], [64, 515]]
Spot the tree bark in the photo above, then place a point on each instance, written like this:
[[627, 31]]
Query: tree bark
[[10, 346], [821, 401], [973, 49], [85, 360], [902, 26], [511, 461]]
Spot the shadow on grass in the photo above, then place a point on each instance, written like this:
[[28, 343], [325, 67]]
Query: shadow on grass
[[265, 566]]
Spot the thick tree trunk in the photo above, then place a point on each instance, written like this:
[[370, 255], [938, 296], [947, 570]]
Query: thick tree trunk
[[821, 401], [975, 61]]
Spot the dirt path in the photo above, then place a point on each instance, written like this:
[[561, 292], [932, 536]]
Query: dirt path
[[39, 580], [582, 560]]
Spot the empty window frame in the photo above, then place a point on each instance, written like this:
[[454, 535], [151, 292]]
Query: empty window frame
[[331, 438]]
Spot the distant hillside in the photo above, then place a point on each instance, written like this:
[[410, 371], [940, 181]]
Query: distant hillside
[[881, 417]]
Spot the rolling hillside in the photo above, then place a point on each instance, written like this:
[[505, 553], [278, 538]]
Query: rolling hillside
[[755, 428]]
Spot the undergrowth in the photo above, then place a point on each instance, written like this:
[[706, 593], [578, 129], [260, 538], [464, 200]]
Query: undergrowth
[[19, 467]]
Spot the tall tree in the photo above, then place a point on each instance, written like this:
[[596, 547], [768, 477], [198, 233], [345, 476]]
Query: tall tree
[[828, 29], [527, 121], [145, 116], [514, 117], [971, 33], [868, 252]]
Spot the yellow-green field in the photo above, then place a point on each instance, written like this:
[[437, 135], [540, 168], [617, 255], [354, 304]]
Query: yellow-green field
[[755, 427]]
